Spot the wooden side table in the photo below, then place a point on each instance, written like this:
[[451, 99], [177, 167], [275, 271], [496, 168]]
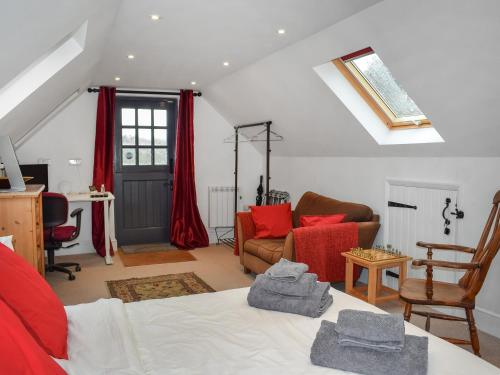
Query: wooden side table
[[375, 291]]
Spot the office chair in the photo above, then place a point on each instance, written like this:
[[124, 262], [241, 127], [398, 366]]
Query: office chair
[[55, 213]]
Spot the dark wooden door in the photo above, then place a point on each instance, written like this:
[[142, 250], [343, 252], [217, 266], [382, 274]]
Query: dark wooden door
[[144, 154]]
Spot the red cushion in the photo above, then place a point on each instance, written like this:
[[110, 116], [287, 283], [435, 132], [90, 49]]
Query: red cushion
[[19, 352], [272, 221], [317, 220], [34, 302], [62, 233]]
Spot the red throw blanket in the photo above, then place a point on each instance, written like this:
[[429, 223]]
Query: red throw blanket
[[320, 248]]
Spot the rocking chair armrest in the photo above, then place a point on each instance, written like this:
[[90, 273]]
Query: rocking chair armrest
[[442, 263], [429, 263], [463, 249]]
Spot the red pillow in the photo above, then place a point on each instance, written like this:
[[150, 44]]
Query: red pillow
[[34, 302], [19, 352], [272, 221], [320, 220]]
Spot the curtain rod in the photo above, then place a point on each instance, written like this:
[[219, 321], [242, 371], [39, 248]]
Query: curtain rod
[[142, 92], [251, 125]]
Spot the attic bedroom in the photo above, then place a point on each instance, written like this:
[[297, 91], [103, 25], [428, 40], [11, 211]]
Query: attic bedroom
[[249, 186]]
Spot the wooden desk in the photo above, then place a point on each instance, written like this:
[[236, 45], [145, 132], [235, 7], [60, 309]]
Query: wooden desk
[[374, 292], [109, 218], [21, 216]]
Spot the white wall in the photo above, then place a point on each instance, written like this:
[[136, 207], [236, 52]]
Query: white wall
[[214, 159], [70, 134], [362, 180]]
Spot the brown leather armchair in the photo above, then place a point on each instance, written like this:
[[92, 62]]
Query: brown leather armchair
[[257, 255]]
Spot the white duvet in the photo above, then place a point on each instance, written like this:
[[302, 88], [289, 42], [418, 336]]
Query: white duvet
[[218, 333]]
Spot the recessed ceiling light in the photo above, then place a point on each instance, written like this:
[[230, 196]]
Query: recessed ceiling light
[[225, 63], [155, 17], [130, 57], [193, 83], [281, 31], [117, 78]]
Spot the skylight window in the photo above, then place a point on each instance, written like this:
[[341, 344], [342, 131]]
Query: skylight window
[[29, 80], [374, 82]]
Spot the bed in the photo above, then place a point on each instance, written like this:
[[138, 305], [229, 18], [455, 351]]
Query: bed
[[217, 333]]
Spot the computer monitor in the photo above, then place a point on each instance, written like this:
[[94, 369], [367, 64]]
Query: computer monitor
[[9, 160], [39, 172]]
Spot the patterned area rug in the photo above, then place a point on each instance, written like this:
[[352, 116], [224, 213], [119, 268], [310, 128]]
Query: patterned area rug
[[164, 286]]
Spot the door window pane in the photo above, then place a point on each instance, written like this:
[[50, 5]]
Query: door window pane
[[160, 156], [144, 156], [128, 136], [144, 137], [128, 116], [144, 117], [128, 156], [160, 117], [160, 137]]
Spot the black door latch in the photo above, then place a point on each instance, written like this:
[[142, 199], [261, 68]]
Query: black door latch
[[458, 213]]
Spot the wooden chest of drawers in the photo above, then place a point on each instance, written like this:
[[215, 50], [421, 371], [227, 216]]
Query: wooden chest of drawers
[[21, 216]]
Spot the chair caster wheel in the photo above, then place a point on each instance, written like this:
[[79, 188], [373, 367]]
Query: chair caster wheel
[[71, 277], [78, 268]]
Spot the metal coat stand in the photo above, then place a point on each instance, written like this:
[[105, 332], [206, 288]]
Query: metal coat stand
[[224, 239], [237, 128]]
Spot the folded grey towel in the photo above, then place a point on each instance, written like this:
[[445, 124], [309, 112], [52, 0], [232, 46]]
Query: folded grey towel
[[313, 305], [301, 288], [286, 271], [383, 332], [327, 352]]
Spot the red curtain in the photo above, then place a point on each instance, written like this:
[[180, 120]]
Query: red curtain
[[186, 228], [103, 161]]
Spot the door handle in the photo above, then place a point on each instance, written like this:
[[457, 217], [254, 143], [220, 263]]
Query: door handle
[[446, 220]]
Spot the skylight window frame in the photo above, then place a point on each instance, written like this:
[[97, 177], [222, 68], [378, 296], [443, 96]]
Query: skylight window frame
[[42, 70], [371, 96]]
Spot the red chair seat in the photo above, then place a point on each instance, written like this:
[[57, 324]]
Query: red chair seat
[[62, 233]]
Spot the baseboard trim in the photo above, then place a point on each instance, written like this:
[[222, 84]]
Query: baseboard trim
[[84, 247], [488, 321]]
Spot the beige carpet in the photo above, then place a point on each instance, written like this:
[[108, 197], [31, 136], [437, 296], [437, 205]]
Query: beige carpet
[[220, 269], [216, 265]]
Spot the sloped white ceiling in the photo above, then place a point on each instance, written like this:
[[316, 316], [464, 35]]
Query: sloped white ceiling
[[29, 29], [194, 37], [445, 54], [190, 42]]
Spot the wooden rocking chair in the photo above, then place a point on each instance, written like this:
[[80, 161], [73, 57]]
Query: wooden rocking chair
[[463, 294]]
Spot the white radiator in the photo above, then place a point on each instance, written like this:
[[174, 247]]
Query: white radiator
[[221, 206]]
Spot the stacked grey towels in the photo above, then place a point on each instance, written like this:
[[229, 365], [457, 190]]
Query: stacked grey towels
[[287, 287], [371, 344]]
